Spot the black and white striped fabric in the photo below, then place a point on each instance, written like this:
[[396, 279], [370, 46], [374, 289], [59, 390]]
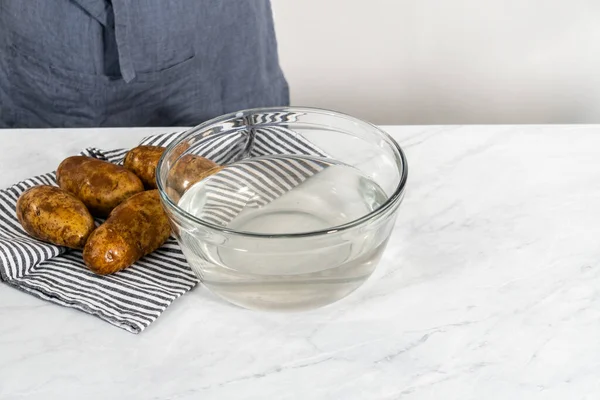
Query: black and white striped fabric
[[256, 181], [253, 183], [133, 298]]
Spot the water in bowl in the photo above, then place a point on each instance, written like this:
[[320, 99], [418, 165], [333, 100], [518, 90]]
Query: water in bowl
[[298, 272]]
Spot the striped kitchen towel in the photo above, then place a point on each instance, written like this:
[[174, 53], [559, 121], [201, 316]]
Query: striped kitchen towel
[[133, 298]]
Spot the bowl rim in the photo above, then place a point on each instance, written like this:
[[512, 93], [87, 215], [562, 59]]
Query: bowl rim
[[389, 203]]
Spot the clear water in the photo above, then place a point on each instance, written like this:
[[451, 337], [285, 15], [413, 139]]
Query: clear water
[[298, 273]]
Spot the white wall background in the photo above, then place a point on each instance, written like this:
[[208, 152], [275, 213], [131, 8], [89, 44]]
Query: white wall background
[[444, 61]]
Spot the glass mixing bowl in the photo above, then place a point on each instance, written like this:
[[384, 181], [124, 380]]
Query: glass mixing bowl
[[299, 213]]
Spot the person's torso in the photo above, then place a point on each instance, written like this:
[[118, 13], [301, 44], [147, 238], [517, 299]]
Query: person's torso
[[135, 62], [144, 36]]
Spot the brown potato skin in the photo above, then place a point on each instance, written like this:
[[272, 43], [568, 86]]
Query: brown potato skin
[[54, 215], [136, 227], [142, 161], [100, 185], [188, 170]]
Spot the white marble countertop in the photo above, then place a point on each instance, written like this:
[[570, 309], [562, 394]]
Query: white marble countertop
[[489, 289]]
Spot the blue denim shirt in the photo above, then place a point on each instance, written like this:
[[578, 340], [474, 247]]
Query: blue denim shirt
[[135, 62]]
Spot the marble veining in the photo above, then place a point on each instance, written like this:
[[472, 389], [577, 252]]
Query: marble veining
[[489, 289]]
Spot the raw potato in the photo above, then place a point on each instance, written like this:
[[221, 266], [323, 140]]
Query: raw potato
[[142, 161], [54, 215], [135, 228], [99, 184], [188, 170]]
